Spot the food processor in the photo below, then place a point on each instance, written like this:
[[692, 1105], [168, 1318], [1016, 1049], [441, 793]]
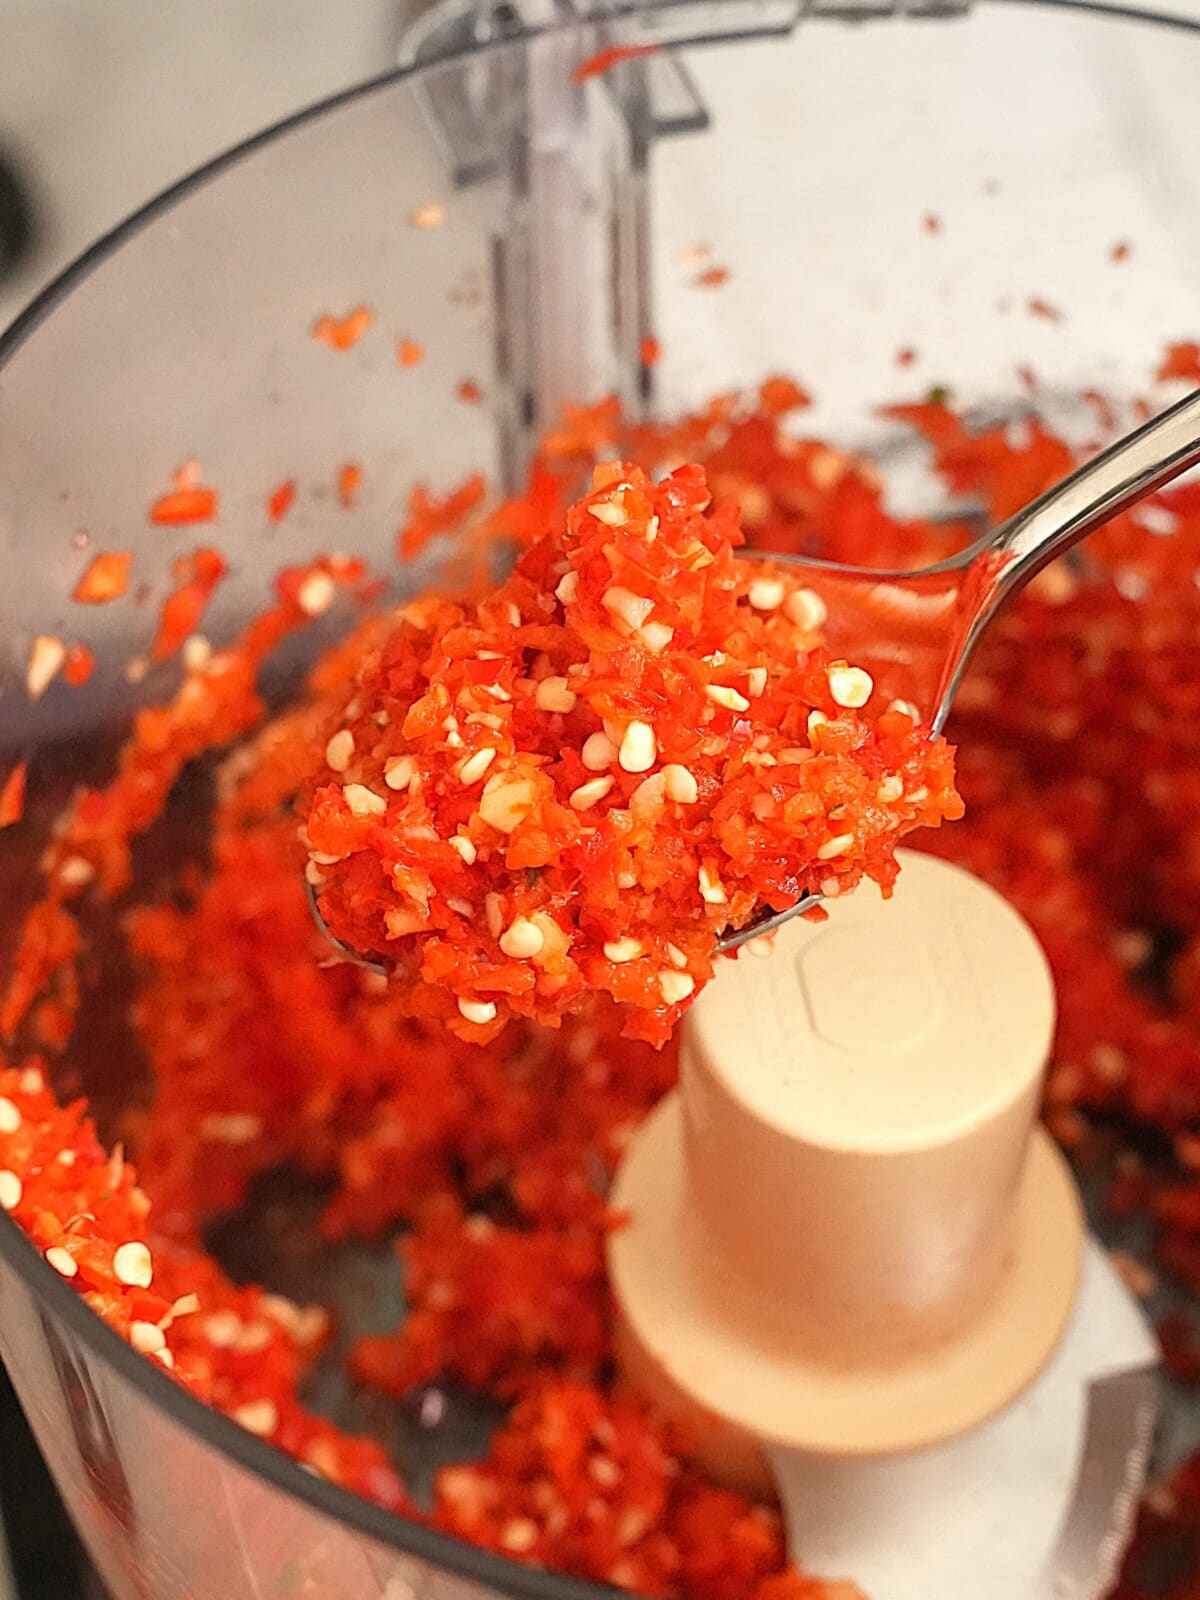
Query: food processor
[[660, 203]]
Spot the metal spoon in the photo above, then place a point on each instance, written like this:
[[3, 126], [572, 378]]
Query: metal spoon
[[916, 630], [930, 620]]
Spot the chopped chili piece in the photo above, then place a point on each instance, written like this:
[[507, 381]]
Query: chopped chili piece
[[712, 278], [931, 222], [79, 665], [470, 392], [1121, 251], [280, 500], [12, 795], [1042, 308], [106, 578], [430, 515], [431, 215], [604, 60], [343, 333], [650, 351], [1180, 361], [181, 507], [196, 577], [409, 353], [349, 482]]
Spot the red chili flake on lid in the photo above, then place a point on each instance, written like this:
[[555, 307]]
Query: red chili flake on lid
[[712, 278], [604, 60], [183, 507], [106, 578], [12, 795], [349, 482], [470, 392], [280, 500], [1042, 308], [79, 665], [343, 333], [779, 396], [906, 356], [1102, 406], [431, 515], [431, 215], [1180, 361], [931, 222], [196, 577], [409, 353], [1121, 251], [650, 350]]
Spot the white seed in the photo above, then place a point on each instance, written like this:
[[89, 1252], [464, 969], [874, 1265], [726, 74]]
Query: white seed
[[477, 1010], [507, 802], [676, 956], [320, 859], [756, 681], [74, 872], [589, 793], [398, 772], [11, 1190], [222, 1329], [513, 613], [521, 939], [166, 1358], [465, 848], [339, 752], [45, 658], [133, 1265], [519, 1535], [676, 986], [729, 699], [598, 752], [258, 1417], [816, 719], [462, 908], [626, 607], [554, 694], [850, 686], [620, 950], [363, 802], [315, 595], [766, 594], [647, 799], [830, 888], [474, 767], [836, 846], [907, 707], [890, 788], [639, 748], [493, 911], [610, 513], [656, 636], [10, 1117], [712, 891], [147, 1337], [62, 1261], [196, 653], [568, 589], [806, 609], [681, 786]]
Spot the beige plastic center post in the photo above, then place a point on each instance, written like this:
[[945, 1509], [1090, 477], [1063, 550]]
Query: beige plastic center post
[[848, 1235]]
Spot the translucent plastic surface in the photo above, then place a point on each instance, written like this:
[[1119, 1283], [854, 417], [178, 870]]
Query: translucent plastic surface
[[953, 187]]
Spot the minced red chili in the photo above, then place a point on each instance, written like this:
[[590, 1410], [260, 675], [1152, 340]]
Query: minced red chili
[[1078, 729]]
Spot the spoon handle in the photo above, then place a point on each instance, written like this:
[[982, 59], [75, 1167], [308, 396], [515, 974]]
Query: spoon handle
[[1110, 483]]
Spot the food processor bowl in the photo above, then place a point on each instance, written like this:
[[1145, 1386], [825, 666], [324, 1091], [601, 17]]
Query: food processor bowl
[[1005, 202]]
